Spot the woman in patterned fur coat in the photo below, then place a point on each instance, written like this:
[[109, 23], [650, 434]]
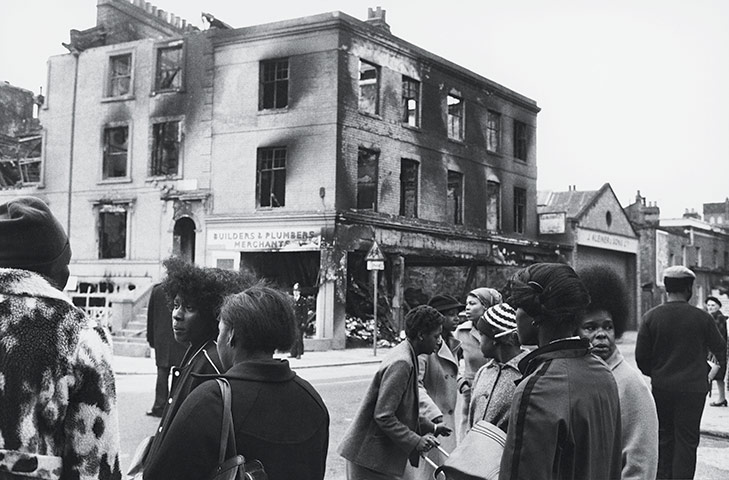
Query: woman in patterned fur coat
[[58, 416]]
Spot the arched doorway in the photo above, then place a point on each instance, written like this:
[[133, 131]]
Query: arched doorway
[[183, 239]]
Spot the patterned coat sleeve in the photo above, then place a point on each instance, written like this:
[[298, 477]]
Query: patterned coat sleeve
[[92, 425]]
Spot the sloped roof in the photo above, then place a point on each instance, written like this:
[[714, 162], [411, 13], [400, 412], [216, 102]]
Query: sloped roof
[[571, 202]]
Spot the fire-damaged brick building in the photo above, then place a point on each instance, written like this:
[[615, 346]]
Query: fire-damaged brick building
[[21, 137], [287, 148]]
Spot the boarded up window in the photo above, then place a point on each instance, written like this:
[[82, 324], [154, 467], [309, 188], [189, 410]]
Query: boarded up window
[[271, 177], [166, 138], [493, 206], [112, 231], [454, 207], [519, 210], [409, 188], [369, 87], [169, 68], [120, 75], [367, 179], [493, 131], [115, 152], [274, 84]]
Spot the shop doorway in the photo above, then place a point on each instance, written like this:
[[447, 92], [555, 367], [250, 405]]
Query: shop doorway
[[183, 239]]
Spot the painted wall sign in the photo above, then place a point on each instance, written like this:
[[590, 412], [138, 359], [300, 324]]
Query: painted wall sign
[[264, 239], [552, 222], [609, 241]]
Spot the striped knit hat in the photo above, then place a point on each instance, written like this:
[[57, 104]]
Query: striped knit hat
[[501, 317]]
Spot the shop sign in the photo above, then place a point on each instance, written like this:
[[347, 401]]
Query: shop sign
[[608, 241], [552, 223], [264, 239]]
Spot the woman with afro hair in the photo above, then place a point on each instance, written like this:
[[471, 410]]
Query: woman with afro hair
[[603, 322], [196, 295]]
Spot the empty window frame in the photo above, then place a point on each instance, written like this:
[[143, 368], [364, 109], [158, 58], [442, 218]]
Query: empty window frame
[[112, 231], [369, 87], [520, 202], [169, 68], [454, 199], [274, 88], [521, 140], [120, 75], [272, 177], [367, 167], [115, 152], [493, 131], [410, 101], [166, 147], [493, 206], [409, 188], [455, 117]]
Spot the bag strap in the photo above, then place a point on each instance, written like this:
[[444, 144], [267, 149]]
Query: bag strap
[[226, 430]]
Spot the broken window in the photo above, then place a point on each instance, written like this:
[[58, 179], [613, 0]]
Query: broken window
[[455, 117], [367, 161], [120, 75], [410, 101], [274, 84], [493, 206], [409, 188], [454, 207], [520, 140], [271, 177], [169, 68], [20, 164], [493, 131], [369, 87], [116, 147], [112, 231], [519, 210], [166, 139]]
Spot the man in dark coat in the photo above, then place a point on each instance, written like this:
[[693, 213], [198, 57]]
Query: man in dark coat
[[167, 351], [672, 346]]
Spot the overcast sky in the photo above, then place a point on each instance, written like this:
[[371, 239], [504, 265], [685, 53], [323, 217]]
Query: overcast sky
[[633, 92]]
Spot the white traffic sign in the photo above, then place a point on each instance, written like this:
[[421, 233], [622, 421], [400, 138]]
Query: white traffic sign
[[375, 264], [375, 253]]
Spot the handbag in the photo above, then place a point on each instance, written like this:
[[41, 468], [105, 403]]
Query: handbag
[[136, 466], [236, 467]]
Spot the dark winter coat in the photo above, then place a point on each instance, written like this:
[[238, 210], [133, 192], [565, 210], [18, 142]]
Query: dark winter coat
[[58, 414], [278, 417], [168, 352], [565, 417]]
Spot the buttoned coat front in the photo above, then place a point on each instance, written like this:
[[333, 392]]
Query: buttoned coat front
[[386, 429]]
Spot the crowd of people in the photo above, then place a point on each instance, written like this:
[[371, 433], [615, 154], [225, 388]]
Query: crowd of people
[[536, 358]]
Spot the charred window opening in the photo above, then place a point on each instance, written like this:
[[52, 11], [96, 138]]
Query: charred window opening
[[112, 231], [519, 210], [271, 177], [369, 87], [367, 161], [274, 84], [20, 165], [455, 117], [116, 148], [166, 138], [410, 101], [454, 207], [120, 75], [409, 188], [520, 140], [493, 131], [493, 206], [169, 68]]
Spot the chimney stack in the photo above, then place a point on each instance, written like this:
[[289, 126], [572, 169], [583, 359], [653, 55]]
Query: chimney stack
[[376, 18]]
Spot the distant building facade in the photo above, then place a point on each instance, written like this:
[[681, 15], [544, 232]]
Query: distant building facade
[[21, 138], [287, 149]]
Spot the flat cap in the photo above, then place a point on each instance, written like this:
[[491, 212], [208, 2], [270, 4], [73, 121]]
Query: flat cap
[[444, 303], [678, 271]]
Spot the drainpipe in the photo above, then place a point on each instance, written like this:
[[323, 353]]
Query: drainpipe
[[75, 54]]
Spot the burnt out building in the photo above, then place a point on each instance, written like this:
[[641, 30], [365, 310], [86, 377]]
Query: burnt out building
[[288, 149], [21, 139]]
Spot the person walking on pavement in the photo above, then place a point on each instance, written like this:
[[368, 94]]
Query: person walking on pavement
[[301, 314], [477, 301], [672, 346], [603, 323], [437, 383], [197, 294], [58, 407], [388, 429], [167, 351], [564, 421], [713, 306]]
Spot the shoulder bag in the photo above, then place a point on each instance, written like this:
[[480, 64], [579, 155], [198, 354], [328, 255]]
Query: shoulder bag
[[235, 467]]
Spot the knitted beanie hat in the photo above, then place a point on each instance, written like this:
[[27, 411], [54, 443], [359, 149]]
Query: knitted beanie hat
[[31, 238], [501, 317]]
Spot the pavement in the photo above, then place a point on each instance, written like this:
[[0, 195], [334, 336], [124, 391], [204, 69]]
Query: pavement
[[714, 422]]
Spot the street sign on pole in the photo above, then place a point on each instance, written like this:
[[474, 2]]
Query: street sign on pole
[[375, 261]]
